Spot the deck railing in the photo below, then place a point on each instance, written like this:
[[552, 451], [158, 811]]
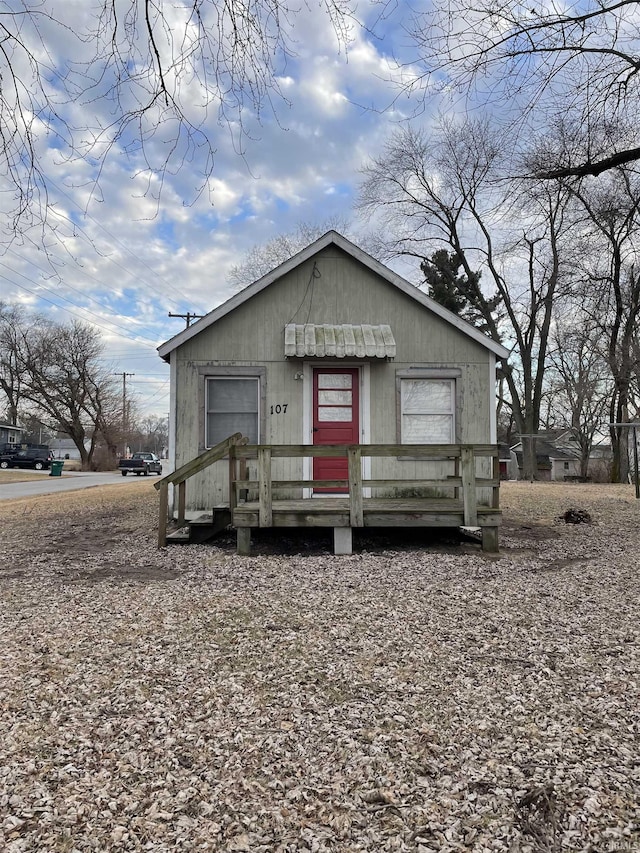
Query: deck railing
[[463, 481]]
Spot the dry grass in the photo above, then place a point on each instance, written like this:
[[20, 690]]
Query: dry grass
[[408, 699], [18, 475], [26, 475], [85, 504]]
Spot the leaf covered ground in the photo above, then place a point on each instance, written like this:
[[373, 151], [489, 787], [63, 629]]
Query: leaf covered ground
[[415, 696]]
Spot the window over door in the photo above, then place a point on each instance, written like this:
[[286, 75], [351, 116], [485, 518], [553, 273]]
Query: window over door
[[232, 405], [427, 411]]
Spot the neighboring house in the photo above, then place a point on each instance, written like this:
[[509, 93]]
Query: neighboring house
[[508, 463], [558, 457], [331, 347], [10, 434], [553, 463], [65, 448]]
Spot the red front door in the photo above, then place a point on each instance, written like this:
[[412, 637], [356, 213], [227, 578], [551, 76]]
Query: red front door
[[336, 408]]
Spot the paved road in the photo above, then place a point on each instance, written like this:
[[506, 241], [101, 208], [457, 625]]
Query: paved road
[[71, 481]]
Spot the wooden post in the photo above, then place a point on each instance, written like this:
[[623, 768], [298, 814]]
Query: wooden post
[[469, 497], [182, 490], [342, 540], [495, 496], [354, 457], [490, 539], [233, 497], [162, 515], [244, 475], [456, 473], [264, 478], [243, 541]]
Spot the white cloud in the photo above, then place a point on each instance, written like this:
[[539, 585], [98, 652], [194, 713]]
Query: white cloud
[[133, 259]]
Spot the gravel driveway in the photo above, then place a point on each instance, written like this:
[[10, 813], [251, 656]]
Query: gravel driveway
[[403, 698]]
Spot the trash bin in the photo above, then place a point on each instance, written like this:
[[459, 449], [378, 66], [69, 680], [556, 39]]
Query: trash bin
[[56, 468]]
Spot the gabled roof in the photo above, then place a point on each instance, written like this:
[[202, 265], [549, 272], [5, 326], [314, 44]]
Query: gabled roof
[[331, 237], [546, 449]]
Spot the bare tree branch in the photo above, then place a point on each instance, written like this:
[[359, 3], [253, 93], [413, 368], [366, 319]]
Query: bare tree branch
[[531, 64], [151, 79]]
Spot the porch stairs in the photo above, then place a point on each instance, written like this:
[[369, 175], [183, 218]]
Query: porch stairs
[[197, 531], [463, 495]]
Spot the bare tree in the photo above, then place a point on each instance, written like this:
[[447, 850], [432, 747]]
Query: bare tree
[[539, 62], [612, 287], [150, 433], [443, 190], [579, 382], [261, 259], [150, 79], [11, 321], [64, 382]]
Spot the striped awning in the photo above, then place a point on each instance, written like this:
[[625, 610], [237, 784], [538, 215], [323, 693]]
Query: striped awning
[[338, 341]]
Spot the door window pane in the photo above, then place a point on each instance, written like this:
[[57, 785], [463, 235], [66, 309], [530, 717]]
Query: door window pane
[[334, 380], [334, 398], [334, 413]]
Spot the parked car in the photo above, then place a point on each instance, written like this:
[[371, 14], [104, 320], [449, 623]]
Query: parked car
[[140, 463], [33, 457], [10, 449]]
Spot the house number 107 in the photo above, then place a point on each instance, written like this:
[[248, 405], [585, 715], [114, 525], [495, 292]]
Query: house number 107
[[279, 409]]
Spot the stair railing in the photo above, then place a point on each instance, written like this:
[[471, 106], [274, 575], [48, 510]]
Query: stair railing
[[180, 476]]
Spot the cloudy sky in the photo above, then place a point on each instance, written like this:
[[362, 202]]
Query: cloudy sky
[[125, 255]]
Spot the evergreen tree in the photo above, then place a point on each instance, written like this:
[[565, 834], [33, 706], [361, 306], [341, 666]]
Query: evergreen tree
[[444, 284]]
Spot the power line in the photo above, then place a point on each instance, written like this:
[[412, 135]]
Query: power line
[[75, 305], [152, 286], [64, 284]]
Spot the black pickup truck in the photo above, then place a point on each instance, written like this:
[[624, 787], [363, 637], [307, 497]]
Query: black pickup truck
[[140, 463]]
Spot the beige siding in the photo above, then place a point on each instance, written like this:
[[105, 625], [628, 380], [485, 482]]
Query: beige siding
[[332, 289]]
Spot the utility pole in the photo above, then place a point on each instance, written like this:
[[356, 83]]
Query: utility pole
[[124, 408], [188, 317]]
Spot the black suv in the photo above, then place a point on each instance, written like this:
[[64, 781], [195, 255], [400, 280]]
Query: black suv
[[8, 449], [33, 457]]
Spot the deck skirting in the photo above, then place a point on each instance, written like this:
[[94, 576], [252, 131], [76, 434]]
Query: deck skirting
[[376, 512]]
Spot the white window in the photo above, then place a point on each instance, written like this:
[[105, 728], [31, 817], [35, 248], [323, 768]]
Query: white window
[[232, 405], [427, 411]]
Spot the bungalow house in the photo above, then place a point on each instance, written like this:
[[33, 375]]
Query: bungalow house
[[331, 348], [66, 448], [554, 462], [10, 435], [508, 462]]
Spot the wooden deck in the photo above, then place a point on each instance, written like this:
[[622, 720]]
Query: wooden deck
[[253, 502], [376, 512]]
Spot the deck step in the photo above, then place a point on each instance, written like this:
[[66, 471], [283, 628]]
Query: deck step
[[198, 530], [181, 536]]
